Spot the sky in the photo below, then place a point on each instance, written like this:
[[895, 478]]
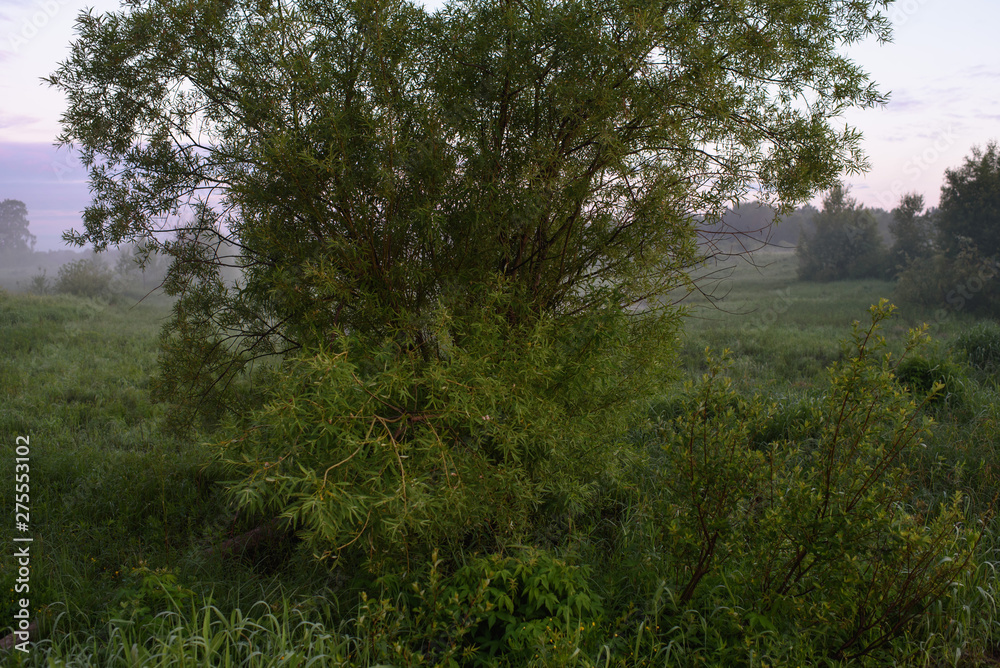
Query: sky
[[941, 69]]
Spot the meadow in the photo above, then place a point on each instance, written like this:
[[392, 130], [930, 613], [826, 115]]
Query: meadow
[[125, 514]]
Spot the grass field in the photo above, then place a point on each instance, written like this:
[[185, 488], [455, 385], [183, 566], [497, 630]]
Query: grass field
[[785, 331], [124, 514]]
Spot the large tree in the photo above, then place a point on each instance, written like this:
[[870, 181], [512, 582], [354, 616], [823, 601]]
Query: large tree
[[367, 159], [970, 204], [14, 234], [487, 201], [911, 229]]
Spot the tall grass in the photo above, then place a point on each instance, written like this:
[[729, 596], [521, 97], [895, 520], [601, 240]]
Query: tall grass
[[123, 513]]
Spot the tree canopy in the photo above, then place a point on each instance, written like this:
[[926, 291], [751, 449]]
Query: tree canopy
[[464, 221], [367, 159], [14, 234], [910, 228], [970, 203]]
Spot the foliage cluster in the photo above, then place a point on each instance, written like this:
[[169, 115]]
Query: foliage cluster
[[88, 277], [610, 550], [980, 346], [387, 454], [938, 379], [134, 276], [814, 529], [369, 161], [959, 271], [524, 609], [948, 284]]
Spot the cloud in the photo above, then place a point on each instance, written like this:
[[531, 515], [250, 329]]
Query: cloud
[[990, 72], [14, 120], [904, 102]]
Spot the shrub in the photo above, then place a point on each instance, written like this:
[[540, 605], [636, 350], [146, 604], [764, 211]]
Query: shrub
[[84, 278], [496, 608], [40, 284], [917, 283], [964, 283], [933, 378], [780, 420], [812, 531], [980, 346], [384, 454]]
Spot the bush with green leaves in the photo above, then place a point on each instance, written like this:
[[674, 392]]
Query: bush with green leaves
[[980, 346], [149, 592], [964, 282], [934, 377], [386, 453], [811, 533], [88, 277], [526, 608]]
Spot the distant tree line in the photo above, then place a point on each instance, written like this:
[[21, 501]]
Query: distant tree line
[[950, 257], [944, 257], [752, 224]]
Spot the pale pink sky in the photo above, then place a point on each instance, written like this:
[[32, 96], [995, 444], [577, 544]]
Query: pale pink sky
[[942, 70]]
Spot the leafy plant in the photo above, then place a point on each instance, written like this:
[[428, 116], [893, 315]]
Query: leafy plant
[[980, 345], [807, 531], [84, 278], [935, 378], [390, 453], [512, 609], [149, 592], [526, 601]]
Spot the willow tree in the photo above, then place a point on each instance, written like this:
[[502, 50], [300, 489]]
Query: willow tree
[[387, 173]]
